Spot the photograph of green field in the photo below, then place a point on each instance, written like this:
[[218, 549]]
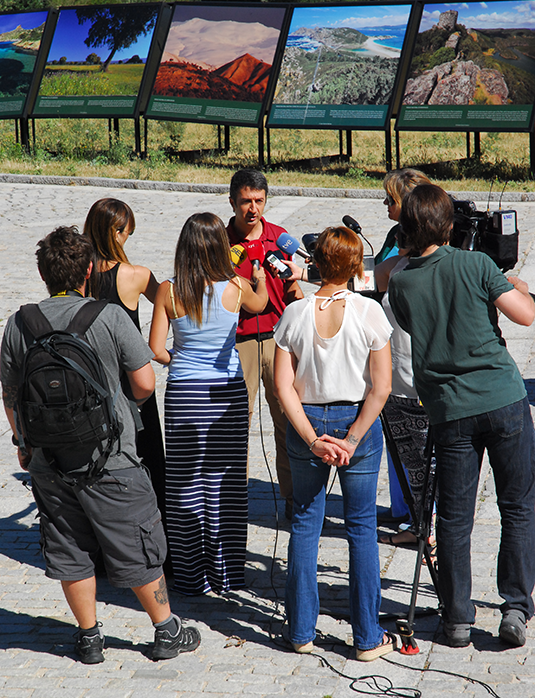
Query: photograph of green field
[[99, 51], [474, 54]]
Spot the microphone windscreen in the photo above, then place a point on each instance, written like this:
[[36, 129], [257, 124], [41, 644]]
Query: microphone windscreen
[[238, 254], [287, 243], [352, 224], [255, 250]]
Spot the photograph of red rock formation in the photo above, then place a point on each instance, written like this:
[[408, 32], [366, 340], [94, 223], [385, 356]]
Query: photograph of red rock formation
[[219, 53], [474, 54]]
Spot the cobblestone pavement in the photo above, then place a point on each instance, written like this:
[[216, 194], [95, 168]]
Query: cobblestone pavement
[[242, 652]]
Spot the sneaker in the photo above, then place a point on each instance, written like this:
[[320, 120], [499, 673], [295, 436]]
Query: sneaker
[[457, 634], [389, 643], [167, 646], [306, 648], [513, 627], [89, 647]]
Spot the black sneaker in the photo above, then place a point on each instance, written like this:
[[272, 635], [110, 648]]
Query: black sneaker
[[513, 628], [89, 647], [457, 634], [167, 646]]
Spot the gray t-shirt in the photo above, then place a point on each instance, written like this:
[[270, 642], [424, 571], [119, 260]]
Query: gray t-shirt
[[120, 348]]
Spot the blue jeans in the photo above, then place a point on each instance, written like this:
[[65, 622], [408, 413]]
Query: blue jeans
[[358, 481], [508, 436]]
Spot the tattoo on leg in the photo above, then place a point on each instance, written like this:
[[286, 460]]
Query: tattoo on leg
[[160, 594]]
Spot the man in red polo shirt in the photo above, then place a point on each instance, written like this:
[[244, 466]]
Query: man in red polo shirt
[[248, 194]]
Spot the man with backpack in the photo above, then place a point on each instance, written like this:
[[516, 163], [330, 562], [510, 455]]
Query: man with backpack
[[61, 368]]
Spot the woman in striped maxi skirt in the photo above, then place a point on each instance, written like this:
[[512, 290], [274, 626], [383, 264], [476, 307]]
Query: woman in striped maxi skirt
[[206, 411]]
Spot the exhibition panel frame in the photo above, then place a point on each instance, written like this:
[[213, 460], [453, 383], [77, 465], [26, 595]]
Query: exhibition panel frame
[[78, 82], [218, 63], [472, 68], [22, 38], [341, 66]]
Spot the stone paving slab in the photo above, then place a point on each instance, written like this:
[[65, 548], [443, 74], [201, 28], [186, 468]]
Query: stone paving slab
[[36, 629]]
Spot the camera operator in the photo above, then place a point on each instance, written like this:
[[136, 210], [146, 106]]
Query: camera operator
[[447, 299]]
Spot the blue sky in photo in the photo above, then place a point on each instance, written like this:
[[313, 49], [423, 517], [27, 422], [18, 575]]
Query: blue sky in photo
[[69, 39], [484, 15], [354, 17], [27, 20]]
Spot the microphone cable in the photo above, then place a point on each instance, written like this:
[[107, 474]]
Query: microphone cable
[[276, 600]]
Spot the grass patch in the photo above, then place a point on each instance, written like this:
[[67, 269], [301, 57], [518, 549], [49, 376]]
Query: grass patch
[[185, 152], [73, 80]]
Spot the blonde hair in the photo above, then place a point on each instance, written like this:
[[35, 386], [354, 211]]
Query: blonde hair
[[398, 183]]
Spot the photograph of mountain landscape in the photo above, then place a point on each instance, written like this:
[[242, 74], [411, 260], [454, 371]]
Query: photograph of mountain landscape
[[473, 63], [98, 54], [217, 63], [20, 39], [342, 57]]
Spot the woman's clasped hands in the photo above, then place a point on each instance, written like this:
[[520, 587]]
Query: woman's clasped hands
[[333, 451]]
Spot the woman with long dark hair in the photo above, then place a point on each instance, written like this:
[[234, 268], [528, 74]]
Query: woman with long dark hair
[[206, 413], [109, 224]]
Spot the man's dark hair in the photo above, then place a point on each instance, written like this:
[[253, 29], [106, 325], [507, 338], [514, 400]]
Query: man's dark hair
[[426, 216], [247, 178], [63, 258]]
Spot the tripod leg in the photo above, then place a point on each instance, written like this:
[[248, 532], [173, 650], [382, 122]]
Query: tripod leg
[[422, 524]]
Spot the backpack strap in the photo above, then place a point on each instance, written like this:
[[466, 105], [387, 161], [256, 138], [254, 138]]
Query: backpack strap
[[86, 316], [34, 322]]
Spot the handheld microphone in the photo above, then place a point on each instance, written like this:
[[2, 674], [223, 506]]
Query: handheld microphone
[[238, 254], [256, 253], [286, 243], [352, 224]]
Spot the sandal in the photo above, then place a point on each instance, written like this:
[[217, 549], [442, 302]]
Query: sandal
[[408, 539], [432, 555], [389, 643]]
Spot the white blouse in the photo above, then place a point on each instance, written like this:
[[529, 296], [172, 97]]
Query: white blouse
[[336, 368]]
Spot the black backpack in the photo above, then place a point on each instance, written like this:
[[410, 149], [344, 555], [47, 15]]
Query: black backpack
[[64, 404]]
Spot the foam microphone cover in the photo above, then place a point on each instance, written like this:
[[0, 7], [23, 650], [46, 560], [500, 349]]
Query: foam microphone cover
[[255, 250]]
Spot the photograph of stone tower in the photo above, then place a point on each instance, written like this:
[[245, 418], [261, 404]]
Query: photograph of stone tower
[[474, 54]]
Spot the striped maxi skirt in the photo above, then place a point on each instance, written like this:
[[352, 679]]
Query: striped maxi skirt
[[206, 432]]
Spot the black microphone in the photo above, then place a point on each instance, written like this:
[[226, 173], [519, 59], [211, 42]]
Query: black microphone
[[352, 224]]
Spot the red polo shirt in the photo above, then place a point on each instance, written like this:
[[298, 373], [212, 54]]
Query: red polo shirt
[[269, 317]]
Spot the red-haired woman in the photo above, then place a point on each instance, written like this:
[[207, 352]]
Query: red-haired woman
[[332, 377]]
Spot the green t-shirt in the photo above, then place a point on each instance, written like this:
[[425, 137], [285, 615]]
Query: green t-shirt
[[445, 301]]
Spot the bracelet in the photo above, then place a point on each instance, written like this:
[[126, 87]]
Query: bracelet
[[15, 441], [302, 273], [312, 444]]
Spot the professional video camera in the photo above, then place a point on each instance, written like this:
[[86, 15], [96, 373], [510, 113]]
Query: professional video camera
[[494, 233]]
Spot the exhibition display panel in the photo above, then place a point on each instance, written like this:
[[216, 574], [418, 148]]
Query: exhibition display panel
[[472, 68], [96, 61], [217, 64], [20, 40], [340, 66]]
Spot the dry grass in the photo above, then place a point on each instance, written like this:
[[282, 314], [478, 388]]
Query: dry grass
[[82, 148]]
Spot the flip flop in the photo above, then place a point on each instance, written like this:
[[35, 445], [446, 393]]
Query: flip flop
[[389, 540]]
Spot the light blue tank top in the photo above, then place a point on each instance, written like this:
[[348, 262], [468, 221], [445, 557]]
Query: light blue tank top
[[208, 351]]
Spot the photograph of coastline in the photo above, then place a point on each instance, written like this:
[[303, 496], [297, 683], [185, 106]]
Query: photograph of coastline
[[217, 58], [479, 55], [342, 56], [98, 51], [20, 39]]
